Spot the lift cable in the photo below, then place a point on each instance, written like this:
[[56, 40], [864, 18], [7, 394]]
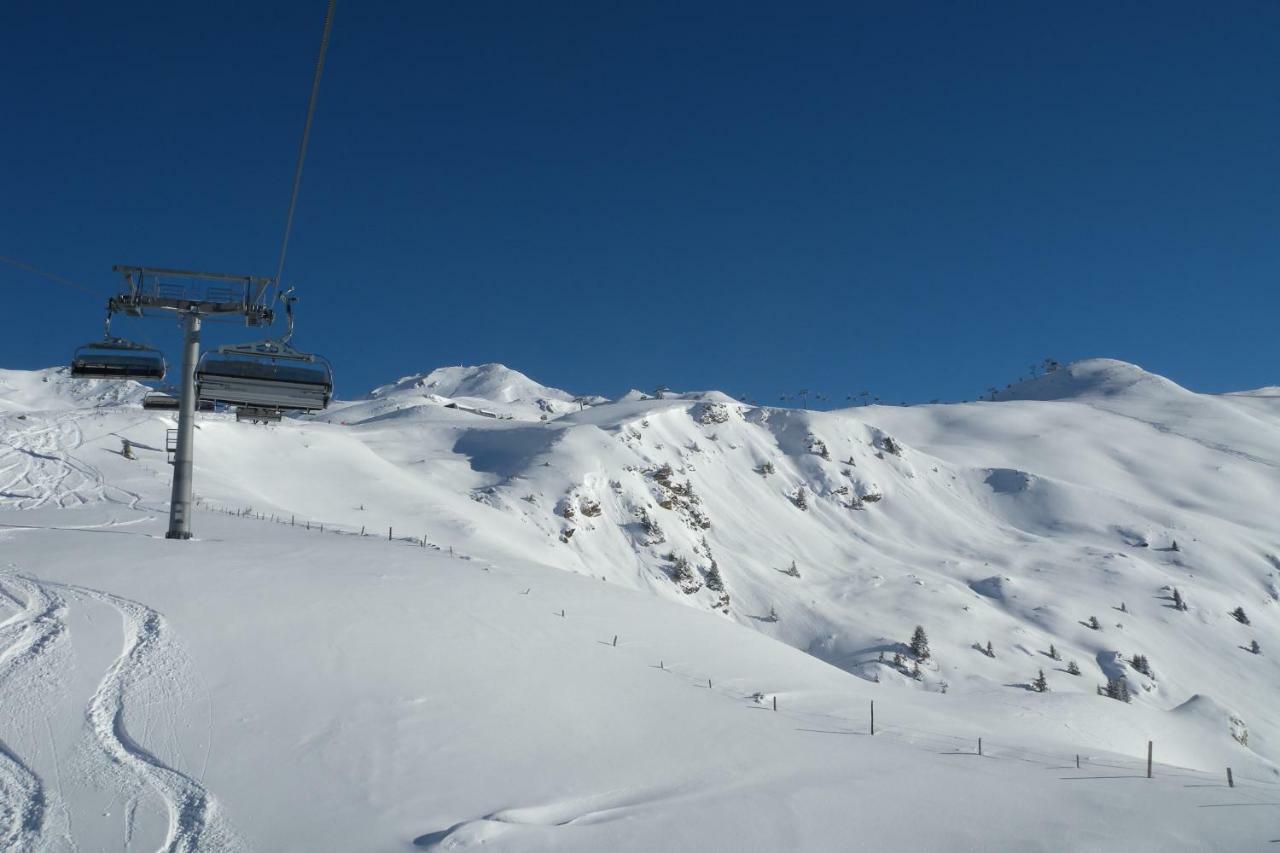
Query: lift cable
[[306, 135], [59, 279]]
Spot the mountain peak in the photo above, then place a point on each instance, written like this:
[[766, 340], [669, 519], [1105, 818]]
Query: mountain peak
[[493, 382], [1090, 378]]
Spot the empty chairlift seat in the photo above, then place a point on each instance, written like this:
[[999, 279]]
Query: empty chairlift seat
[[158, 400], [118, 359], [286, 382]]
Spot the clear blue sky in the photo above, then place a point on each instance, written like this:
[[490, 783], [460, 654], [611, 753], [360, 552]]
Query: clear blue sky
[[916, 199]]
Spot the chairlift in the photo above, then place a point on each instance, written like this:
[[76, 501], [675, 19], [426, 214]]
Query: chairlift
[[266, 375], [160, 401], [257, 415], [115, 358]]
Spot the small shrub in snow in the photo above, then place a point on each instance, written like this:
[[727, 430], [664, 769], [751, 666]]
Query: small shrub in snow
[[1179, 603], [1041, 684], [1073, 668], [1254, 647], [792, 571], [1123, 608], [989, 651], [1239, 615], [898, 660], [764, 469], [920, 644], [1117, 688], [1094, 623], [891, 446], [773, 614]]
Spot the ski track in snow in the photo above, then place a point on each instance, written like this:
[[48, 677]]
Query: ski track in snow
[[25, 638], [38, 468], [146, 673]]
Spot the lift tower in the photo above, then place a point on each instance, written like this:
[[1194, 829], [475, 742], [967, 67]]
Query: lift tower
[[192, 296]]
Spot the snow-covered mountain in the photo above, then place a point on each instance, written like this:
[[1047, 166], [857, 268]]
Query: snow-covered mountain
[[1084, 497]]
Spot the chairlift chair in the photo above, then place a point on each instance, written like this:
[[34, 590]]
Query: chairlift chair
[[265, 376], [115, 358], [160, 401], [269, 375]]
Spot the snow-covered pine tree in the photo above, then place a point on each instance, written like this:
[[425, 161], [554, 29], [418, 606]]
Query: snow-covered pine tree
[[1094, 623], [1239, 615], [1041, 684], [990, 652], [1141, 664], [1178, 602], [1073, 668], [1053, 653], [920, 644], [1254, 647]]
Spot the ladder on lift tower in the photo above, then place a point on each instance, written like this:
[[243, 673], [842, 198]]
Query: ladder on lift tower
[[170, 444]]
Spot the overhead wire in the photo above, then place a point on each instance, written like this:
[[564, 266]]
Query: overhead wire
[[59, 279], [306, 135]]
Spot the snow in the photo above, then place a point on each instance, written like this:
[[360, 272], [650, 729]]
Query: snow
[[274, 687]]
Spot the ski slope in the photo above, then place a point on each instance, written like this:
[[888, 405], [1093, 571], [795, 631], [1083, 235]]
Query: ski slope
[[273, 686]]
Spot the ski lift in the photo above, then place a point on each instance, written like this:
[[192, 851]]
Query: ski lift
[[160, 401], [257, 415], [116, 358], [266, 375]]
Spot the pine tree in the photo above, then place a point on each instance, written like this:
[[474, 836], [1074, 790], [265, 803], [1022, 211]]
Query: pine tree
[[1053, 653], [1123, 608], [792, 571], [1239, 615], [1094, 624], [1073, 668], [920, 644], [773, 614], [801, 499], [1174, 546], [1041, 684], [1254, 647], [897, 659], [1141, 664], [915, 670], [990, 651]]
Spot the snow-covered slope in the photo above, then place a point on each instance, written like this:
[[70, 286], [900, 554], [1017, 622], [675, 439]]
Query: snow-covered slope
[[487, 389], [1091, 492]]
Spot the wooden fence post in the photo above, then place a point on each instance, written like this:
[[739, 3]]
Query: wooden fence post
[[979, 746], [775, 703], [1231, 782], [388, 534], [615, 641], [1077, 761], [873, 716], [1149, 745]]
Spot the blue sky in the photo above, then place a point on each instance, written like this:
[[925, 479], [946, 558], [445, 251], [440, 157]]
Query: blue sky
[[919, 200]]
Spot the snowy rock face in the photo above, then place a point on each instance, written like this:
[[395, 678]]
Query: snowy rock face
[[53, 388], [1054, 525]]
